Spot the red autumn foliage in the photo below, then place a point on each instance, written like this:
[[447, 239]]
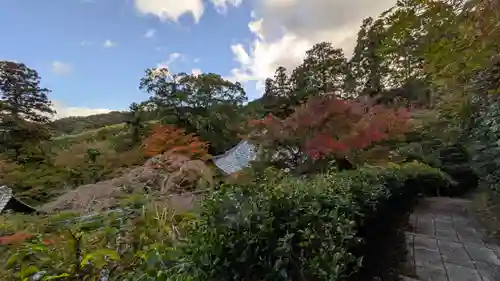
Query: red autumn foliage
[[20, 237], [327, 125], [15, 238], [165, 138]]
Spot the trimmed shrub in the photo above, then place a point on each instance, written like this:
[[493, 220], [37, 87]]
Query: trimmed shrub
[[455, 162], [452, 159], [284, 228]]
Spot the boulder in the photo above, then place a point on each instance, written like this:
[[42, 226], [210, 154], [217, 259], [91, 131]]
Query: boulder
[[165, 174]]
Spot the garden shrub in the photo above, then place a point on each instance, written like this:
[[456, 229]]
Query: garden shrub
[[336, 226], [452, 159], [483, 137], [455, 162], [293, 229], [129, 246]]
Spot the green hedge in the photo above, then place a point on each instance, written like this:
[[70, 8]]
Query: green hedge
[[483, 131], [323, 228]]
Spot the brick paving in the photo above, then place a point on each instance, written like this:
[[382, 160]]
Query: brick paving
[[446, 244]]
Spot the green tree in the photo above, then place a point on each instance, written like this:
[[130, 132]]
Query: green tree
[[367, 63], [389, 60], [279, 96], [281, 81], [324, 70], [204, 104], [136, 123], [168, 93], [25, 107]]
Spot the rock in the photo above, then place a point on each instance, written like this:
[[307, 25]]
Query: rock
[[95, 197], [167, 173]]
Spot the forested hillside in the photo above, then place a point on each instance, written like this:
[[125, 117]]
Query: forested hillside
[[347, 144], [77, 124]]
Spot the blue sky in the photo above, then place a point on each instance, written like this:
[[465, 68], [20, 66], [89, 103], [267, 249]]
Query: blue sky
[[72, 33], [92, 53]]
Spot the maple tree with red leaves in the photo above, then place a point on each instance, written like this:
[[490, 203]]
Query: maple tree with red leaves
[[165, 138], [326, 126]]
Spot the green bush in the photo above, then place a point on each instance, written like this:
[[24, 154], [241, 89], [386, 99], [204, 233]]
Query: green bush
[[130, 246], [335, 226], [452, 159], [293, 229], [455, 162], [483, 137]]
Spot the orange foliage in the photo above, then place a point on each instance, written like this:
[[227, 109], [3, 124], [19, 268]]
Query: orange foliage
[[20, 237], [15, 238], [167, 138]]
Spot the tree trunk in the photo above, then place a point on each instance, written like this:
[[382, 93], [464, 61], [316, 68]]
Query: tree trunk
[[343, 164]]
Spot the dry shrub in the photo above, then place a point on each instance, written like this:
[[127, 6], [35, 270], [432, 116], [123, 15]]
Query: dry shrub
[[9, 172], [76, 155]]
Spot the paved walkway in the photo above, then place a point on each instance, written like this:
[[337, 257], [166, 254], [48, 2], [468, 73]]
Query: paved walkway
[[446, 244]]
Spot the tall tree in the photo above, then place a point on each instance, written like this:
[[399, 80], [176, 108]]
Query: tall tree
[[367, 63], [205, 104], [324, 70], [25, 107], [168, 93], [389, 61], [136, 123], [279, 96], [22, 97], [282, 83]]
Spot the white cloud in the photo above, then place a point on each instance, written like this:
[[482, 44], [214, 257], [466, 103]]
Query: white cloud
[[150, 33], [171, 59], [170, 9], [222, 5], [108, 44], [173, 9], [66, 111], [284, 29], [61, 68], [196, 71]]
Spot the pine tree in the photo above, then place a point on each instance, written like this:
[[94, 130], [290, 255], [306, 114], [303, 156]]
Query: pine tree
[[282, 83], [367, 64], [22, 97], [25, 107], [325, 69]]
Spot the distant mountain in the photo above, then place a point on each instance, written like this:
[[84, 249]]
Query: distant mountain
[[78, 124]]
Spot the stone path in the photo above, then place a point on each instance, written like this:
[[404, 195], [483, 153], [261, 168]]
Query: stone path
[[446, 244]]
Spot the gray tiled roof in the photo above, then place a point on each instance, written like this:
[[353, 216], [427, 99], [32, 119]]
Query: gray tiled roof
[[236, 158], [5, 195]]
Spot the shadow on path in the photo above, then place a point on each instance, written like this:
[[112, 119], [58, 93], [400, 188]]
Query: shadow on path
[[445, 243]]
